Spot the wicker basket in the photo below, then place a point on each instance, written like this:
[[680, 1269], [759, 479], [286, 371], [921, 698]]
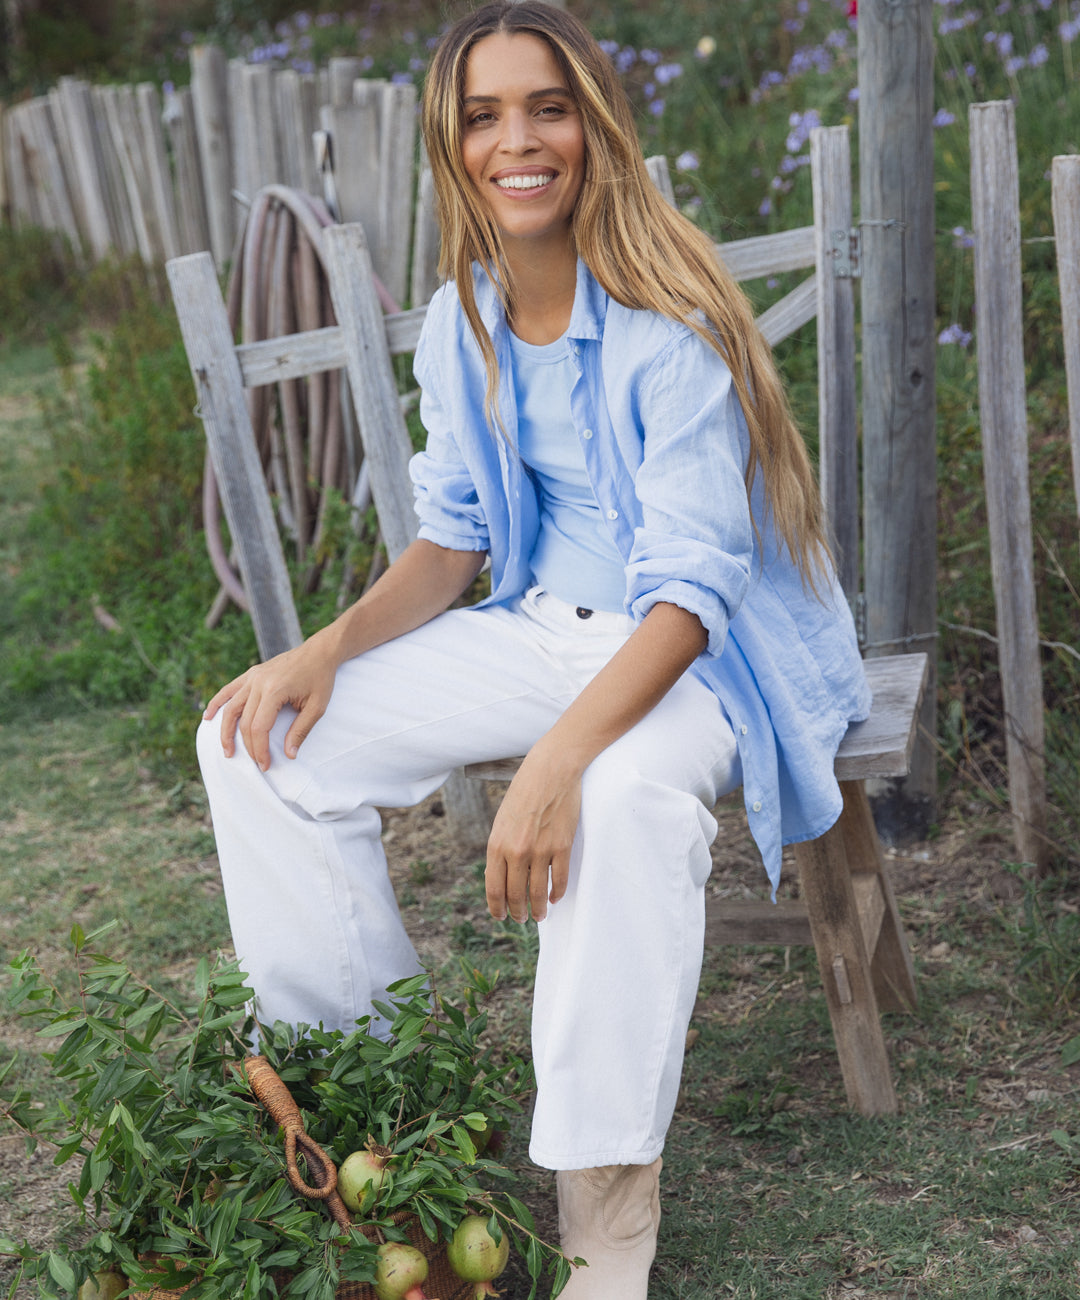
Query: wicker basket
[[442, 1282]]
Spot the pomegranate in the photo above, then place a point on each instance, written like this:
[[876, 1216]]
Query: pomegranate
[[106, 1285], [400, 1272], [361, 1170], [475, 1256]]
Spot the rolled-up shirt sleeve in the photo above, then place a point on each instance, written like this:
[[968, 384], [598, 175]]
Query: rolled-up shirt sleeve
[[694, 546], [444, 493]]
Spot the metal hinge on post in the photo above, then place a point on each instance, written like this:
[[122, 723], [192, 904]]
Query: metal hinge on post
[[845, 250]]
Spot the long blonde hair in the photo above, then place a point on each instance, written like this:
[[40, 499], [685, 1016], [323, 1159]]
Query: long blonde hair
[[642, 252]]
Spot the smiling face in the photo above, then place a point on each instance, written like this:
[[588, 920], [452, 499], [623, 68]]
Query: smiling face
[[522, 141]]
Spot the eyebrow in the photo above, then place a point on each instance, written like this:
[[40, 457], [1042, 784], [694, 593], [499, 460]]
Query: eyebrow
[[535, 94]]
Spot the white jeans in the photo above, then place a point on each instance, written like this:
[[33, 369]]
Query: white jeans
[[314, 919]]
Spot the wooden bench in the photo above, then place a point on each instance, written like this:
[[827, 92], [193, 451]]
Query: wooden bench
[[847, 909]]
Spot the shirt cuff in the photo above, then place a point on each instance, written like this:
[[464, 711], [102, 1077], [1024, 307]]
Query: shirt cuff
[[705, 604], [450, 540]]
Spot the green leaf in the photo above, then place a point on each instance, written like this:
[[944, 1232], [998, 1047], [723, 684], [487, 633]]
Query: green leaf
[[223, 1227], [464, 1144], [62, 1272], [202, 978], [1070, 1053]]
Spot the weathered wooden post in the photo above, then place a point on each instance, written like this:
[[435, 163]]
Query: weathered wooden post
[[830, 150], [896, 192], [995, 210], [1065, 177], [210, 95]]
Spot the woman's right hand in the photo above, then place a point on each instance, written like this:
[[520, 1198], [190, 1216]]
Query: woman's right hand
[[302, 677], [423, 581]]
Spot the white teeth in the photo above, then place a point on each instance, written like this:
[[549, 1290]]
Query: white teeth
[[524, 182]]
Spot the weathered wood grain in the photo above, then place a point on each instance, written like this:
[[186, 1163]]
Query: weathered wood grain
[[1065, 180], [210, 97], [830, 152], [896, 226], [995, 201], [204, 324]]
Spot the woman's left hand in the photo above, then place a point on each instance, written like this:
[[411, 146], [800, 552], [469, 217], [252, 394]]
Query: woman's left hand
[[531, 838]]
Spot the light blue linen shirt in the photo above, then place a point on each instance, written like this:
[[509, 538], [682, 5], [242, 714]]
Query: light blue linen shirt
[[665, 445]]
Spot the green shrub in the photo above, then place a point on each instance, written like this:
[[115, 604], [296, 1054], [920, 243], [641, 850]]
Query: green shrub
[[38, 286], [174, 1155]]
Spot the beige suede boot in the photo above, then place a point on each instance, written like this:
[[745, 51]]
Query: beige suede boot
[[610, 1217]]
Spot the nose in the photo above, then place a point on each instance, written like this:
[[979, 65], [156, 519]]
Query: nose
[[518, 134]]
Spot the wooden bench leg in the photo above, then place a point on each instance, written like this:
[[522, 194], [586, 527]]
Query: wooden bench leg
[[845, 972], [890, 962]]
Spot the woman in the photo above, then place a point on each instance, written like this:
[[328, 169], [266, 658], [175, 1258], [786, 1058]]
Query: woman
[[605, 424]]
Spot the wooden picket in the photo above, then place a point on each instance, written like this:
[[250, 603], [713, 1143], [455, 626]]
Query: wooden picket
[[1065, 178], [995, 201]]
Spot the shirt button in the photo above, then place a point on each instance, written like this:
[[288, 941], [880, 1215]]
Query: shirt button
[[587, 433], [757, 805], [613, 514], [744, 730]]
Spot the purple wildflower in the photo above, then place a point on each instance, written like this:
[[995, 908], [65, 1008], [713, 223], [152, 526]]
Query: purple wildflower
[[668, 72], [962, 238], [801, 125], [656, 108], [954, 333], [943, 118], [688, 161]]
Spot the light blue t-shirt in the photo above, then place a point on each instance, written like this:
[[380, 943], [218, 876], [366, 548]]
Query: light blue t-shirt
[[575, 556]]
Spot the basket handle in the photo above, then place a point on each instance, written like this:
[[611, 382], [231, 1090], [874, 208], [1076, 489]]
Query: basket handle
[[278, 1102]]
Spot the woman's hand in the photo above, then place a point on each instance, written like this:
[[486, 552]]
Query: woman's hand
[[302, 677], [535, 827], [532, 836], [423, 581]]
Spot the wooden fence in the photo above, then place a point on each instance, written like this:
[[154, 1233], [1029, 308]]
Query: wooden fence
[[995, 199], [135, 170]]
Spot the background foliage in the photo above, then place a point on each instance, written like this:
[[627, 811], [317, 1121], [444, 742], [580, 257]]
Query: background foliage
[[117, 528]]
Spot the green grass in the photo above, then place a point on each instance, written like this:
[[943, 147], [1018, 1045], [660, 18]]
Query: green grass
[[89, 837]]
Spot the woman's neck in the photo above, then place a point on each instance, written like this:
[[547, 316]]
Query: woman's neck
[[544, 284]]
